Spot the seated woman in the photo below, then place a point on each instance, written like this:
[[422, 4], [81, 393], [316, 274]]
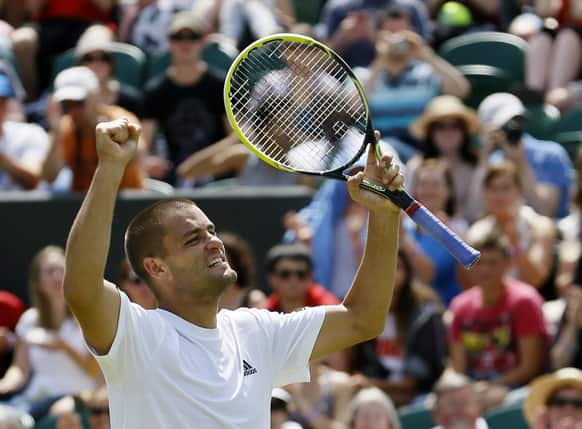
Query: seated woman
[[434, 265], [444, 130], [408, 357], [51, 358], [554, 54]]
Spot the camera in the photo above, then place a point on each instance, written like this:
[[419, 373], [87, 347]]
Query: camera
[[513, 130], [399, 45]]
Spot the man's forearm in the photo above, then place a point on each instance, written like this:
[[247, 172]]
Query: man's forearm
[[88, 242], [370, 295], [21, 175]]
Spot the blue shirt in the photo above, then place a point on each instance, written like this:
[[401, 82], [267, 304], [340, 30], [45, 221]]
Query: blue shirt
[[445, 281], [550, 164], [396, 102]]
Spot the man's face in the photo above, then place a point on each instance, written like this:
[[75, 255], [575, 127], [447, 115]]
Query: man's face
[[290, 278], [185, 45], [195, 256], [565, 409], [457, 409], [490, 269], [502, 194]]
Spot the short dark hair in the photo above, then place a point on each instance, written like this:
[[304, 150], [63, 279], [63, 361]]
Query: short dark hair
[[294, 251], [145, 233]]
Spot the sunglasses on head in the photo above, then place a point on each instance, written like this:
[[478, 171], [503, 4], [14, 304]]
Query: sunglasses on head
[[287, 274], [562, 402], [187, 36], [100, 57]]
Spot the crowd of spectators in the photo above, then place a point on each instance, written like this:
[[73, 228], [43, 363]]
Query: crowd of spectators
[[457, 344]]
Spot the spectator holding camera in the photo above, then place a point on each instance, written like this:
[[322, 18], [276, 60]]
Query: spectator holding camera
[[544, 168], [405, 74]]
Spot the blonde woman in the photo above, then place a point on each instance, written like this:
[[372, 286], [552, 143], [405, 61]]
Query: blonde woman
[[50, 358]]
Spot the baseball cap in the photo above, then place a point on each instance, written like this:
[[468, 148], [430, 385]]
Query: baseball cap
[[74, 83], [6, 89], [498, 108], [95, 38], [184, 20]]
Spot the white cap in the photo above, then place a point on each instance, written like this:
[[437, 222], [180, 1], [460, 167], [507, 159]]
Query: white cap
[[281, 394], [498, 108], [75, 83]]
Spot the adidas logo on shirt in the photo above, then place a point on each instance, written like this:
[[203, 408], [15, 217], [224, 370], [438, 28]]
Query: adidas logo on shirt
[[248, 368]]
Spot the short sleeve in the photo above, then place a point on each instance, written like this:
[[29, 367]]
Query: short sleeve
[[529, 319], [138, 335], [293, 337]]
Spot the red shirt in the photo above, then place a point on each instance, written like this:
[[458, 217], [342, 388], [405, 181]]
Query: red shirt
[[489, 335], [11, 308], [316, 295], [83, 10]]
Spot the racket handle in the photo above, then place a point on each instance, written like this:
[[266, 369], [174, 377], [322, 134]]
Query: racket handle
[[460, 250]]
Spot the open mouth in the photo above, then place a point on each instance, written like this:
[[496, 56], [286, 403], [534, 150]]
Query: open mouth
[[218, 260]]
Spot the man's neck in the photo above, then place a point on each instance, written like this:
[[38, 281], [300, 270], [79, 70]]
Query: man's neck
[[290, 305], [492, 293], [197, 312], [187, 73]]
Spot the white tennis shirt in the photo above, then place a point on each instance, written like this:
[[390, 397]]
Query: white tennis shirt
[[164, 372]]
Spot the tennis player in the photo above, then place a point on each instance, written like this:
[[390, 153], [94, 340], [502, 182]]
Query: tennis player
[[184, 364]]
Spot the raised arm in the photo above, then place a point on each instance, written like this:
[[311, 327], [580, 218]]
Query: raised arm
[[94, 301], [362, 314]]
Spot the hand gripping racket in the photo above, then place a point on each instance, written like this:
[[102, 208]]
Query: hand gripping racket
[[299, 107]]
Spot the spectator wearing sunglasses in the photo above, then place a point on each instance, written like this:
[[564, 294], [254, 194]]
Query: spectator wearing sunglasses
[[186, 103], [289, 274], [94, 50], [555, 400], [73, 112]]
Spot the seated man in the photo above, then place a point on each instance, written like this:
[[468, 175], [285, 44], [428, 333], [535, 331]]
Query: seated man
[[544, 166], [497, 330], [555, 400], [72, 116], [23, 147], [457, 403], [289, 274]]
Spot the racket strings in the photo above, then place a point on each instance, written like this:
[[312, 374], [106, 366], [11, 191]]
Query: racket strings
[[314, 112], [274, 149]]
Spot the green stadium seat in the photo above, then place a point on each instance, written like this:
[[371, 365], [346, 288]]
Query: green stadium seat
[[416, 417], [128, 63], [542, 120], [308, 10], [501, 50], [570, 140], [484, 80], [571, 120], [509, 416]]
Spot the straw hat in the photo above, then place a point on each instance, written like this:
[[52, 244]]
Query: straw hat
[[441, 107], [542, 387]]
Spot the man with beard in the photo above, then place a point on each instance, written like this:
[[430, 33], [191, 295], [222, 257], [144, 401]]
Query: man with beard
[[185, 362]]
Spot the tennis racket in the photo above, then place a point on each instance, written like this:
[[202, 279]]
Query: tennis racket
[[299, 107]]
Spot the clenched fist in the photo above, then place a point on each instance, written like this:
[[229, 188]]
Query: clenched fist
[[116, 141]]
